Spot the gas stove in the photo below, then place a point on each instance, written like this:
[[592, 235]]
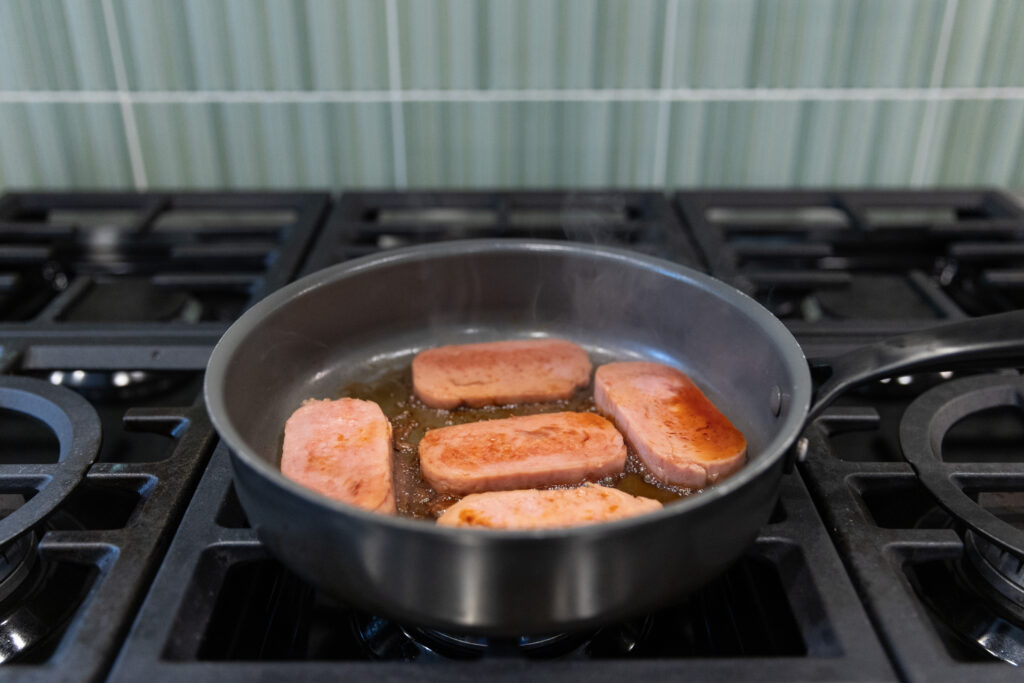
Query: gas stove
[[894, 551]]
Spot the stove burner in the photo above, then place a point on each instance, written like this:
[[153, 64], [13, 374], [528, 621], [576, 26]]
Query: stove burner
[[964, 601], [122, 385], [134, 298], [16, 561], [989, 612], [922, 431], [459, 646], [384, 639], [999, 569], [39, 594], [77, 427]]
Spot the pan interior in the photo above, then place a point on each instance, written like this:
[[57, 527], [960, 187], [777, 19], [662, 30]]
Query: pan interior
[[381, 357], [353, 322]]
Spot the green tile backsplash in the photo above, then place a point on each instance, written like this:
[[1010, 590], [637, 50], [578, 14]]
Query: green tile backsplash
[[979, 141], [778, 144], [986, 47], [63, 146], [446, 93], [534, 143], [253, 44], [266, 145], [806, 43], [53, 45], [497, 44]]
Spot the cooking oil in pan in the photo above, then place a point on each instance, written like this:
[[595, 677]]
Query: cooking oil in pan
[[410, 420]]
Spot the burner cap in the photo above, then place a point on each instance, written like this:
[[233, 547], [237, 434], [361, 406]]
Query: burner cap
[[968, 605], [16, 560], [39, 593], [1000, 569]]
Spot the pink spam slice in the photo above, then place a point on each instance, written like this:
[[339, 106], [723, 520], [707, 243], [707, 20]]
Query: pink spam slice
[[676, 431], [521, 452], [500, 373], [341, 449], [533, 509]]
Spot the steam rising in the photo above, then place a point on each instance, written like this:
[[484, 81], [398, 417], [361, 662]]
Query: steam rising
[[479, 297]]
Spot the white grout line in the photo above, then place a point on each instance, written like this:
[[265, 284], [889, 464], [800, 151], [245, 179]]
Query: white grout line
[[926, 135], [131, 129], [661, 135], [500, 96], [394, 90]]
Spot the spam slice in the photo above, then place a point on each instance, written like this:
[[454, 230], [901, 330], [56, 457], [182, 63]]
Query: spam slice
[[532, 509], [678, 434], [521, 452], [341, 449], [499, 373]]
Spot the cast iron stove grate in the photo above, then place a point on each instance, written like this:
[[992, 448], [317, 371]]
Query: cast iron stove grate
[[920, 479], [367, 222], [221, 606], [856, 259], [110, 304], [84, 524], [81, 259]]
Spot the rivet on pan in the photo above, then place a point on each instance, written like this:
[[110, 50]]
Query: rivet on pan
[[775, 402], [802, 446]]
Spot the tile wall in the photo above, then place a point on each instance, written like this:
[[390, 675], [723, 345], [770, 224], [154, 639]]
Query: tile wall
[[439, 93]]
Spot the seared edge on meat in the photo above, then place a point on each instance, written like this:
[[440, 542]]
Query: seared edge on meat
[[676, 431]]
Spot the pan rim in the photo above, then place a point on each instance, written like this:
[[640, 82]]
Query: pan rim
[[788, 431]]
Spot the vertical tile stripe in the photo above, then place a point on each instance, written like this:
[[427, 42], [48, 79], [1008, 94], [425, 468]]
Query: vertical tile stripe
[[529, 92], [668, 52], [926, 135], [131, 130], [395, 85]]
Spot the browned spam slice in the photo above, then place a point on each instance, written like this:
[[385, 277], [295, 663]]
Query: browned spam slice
[[521, 452], [341, 449], [532, 509], [678, 434], [499, 373]]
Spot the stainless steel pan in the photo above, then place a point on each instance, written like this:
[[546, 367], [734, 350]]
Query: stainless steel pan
[[345, 323]]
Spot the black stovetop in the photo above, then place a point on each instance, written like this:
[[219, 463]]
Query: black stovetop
[[148, 567]]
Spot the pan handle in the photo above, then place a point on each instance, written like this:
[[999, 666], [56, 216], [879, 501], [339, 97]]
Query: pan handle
[[992, 338]]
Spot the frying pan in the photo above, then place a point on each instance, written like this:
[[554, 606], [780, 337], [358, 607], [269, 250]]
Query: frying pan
[[349, 322]]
